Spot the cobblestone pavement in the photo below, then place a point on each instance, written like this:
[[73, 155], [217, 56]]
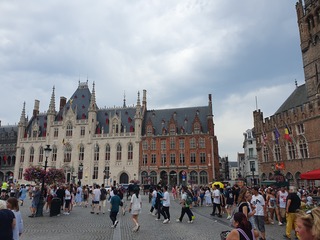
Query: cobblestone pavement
[[81, 225]]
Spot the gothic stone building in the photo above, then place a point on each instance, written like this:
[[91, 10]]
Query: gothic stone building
[[8, 141], [104, 145], [300, 113]]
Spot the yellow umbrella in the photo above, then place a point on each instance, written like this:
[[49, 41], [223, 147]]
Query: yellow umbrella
[[218, 183]]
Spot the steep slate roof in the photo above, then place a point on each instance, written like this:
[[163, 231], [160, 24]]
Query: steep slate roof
[[183, 117], [297, 98], [233, 164], [80, 100], [126, 115]]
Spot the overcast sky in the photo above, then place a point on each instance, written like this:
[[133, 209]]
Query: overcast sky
[[179, 51]]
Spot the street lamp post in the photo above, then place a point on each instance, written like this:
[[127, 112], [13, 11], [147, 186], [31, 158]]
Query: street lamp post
[[80, 172], [39, 212]]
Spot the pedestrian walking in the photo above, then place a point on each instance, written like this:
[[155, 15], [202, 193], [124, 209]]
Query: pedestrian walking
[[259, 203], [78, 198], [166, 205], [103, 199], [96, 199], [115, 202], [208, 197], [229, 201], [216, 201], [185, 206], [35, 201], [293, 203], [135, 208], [22, 194], [13, 205]]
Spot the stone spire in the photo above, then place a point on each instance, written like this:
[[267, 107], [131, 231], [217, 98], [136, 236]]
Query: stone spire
[[52, 105], [93, 105], [23, 115], [124, 100]]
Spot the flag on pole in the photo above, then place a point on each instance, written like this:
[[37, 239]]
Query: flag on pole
[[287, 135], [276, 135], [264, 138]]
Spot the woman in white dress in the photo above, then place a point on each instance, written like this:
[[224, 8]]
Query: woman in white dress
[[135, 208], [207, 196]]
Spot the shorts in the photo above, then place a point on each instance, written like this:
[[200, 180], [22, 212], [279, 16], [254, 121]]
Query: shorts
[[33, 205], [259, 221], [67, 203], [95, 202]]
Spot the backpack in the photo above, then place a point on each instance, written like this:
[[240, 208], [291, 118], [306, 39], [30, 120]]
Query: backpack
[[189, 199], [103, 195], [235, 210]]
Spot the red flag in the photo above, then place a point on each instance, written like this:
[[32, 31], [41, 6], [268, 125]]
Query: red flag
[[5, 158]]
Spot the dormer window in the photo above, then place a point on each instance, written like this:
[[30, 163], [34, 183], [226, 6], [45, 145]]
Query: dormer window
[[149, 131], [172, 129]]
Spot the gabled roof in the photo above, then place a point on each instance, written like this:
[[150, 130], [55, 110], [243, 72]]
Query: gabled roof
[[233, 164], [297, 98], [183, 117]]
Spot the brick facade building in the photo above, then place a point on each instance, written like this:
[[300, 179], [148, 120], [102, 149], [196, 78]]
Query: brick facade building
[[289, 141]]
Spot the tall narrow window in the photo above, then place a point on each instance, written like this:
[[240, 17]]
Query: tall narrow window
[[41, 154], [22, 153], [145, 145], [202, 143], [20, 173], [291, 151], [81, 153], [153, 144], [55, 132], [67, 153], [153, 159], [172, 143], [196, 128], [144, 159], [192, 157], [202, 157], [192, 143], [277, 153], [163, 159], [182, 159], [172, 159], [181, 143], [107, 152], [69, 130], [203, 178], [303, 148], [163, 144], [54, 153], [130, 151], [265, 154], [96, 152], [119, 150], [82, 131], [95, 172], [31, 154]]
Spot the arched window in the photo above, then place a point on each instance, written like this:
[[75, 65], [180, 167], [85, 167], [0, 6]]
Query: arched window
[[96, 152], [41, 154], [81, 152], [291, 151], [130, 151], [193, 177], [69, 130], [119, 150], [22, 153], [303, 148], [107, 152], [31, 154], [54, 153], [153, 177], [67, 153], [203, 177]]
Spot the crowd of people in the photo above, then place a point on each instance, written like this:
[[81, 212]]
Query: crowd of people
[[248, 209]]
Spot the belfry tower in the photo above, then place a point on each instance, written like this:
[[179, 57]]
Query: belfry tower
[[308, 14]]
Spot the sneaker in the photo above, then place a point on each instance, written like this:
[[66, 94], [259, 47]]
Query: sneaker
[[229, 217], [220, 216], [151, 213], [272, 223], [138, 228], [190, 221], [193, 217], [116, 223], [280, 223], [158, 219], [165, 221], [178, 220], [212, 214]]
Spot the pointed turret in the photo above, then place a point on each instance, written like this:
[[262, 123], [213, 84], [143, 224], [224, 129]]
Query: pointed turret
[[22, 121], [124, 100], [210, 116], [93, 105], [52, 105], [138, 119]]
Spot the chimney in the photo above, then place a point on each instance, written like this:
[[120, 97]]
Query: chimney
[[63, 102], [36, 108]]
